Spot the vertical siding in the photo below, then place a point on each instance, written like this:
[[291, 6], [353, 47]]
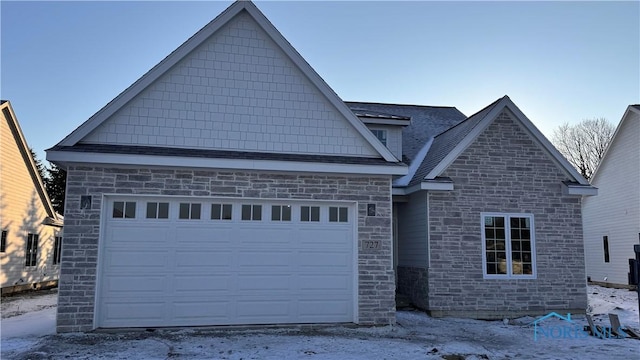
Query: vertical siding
[[615, 212], [237, 90], [21, 212], [412, 231]]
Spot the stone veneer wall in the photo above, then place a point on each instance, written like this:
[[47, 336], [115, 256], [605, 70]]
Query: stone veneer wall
[[76, 294], [505, 171], [412, 282]]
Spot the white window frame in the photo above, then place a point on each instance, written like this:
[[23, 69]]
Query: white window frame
[[384, 135], [507, 230]]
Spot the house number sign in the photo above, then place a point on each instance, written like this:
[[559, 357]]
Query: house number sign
[[370, 244]]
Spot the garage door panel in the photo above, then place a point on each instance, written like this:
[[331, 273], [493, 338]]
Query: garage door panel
[[265, 259], [122, 260], [338, 283], [179, 272], [204, 311], [203, 259], [322, 238], [119, 234], [203, 284], [264, 309], [140, 285], [252, 235], [321, 260], [135, 313], [259, 283]]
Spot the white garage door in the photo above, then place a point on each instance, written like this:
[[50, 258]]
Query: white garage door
[[194, 261]]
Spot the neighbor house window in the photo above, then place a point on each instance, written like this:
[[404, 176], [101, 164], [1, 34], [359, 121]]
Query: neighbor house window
[[310, 213], [220, 211], [190, 211], [281, 213], [252, 212], [381, 135], [124, 209], [508, 246], [31, 255], [156, 210], [338, 214], [57, 249], [3, 241], [605, 244]]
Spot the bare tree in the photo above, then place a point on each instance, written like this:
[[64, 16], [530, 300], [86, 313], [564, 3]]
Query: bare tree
[[584, 144]]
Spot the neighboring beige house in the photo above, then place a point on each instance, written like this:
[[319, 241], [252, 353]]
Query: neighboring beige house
[[612, 219], [31, 230]]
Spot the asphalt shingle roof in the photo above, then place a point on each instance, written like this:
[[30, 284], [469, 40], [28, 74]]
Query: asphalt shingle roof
[[446, 141], [426, 122]]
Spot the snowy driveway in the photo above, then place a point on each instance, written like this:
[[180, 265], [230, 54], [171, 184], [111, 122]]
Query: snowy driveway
[[416, 336]]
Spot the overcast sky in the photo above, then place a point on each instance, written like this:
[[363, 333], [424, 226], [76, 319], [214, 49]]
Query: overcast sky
[[558, 61]]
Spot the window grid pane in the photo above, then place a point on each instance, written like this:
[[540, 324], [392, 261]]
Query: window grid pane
[[184, 211], [315, 213], [520, 238], [163, 210], [226, 212], [495, 245], [130, 210], [195, 211], [152, 210], [216, 211], [118, 209]]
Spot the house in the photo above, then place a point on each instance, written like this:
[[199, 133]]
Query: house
[[230, 185], [612, 219], [31, 230], [488, 218]]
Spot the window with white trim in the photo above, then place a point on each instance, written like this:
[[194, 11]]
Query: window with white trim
[[221, 211], [310, 213], [281, 213], [508, 245], [381, 135], [190, 211], [156, 210], [252, 212], [31, 254], [124, 209]]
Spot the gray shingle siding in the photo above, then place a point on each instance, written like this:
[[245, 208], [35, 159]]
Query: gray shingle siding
[[504, 171]]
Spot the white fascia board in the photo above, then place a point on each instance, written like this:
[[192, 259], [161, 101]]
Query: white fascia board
[[581, 190], [426, 185], [382, 121], [208, 163]]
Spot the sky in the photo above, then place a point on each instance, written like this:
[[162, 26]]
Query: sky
[[559, 62]]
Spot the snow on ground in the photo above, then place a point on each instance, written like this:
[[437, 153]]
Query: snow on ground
[[31, 301], [416, 336]]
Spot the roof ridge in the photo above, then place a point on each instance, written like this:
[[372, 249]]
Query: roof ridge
[[488, 107], [413, 105]]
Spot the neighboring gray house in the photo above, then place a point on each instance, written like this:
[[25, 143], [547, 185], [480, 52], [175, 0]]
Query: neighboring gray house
[[612, 219], [231, 185]]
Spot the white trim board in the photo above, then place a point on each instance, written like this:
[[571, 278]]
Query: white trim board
[[240, 164]]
